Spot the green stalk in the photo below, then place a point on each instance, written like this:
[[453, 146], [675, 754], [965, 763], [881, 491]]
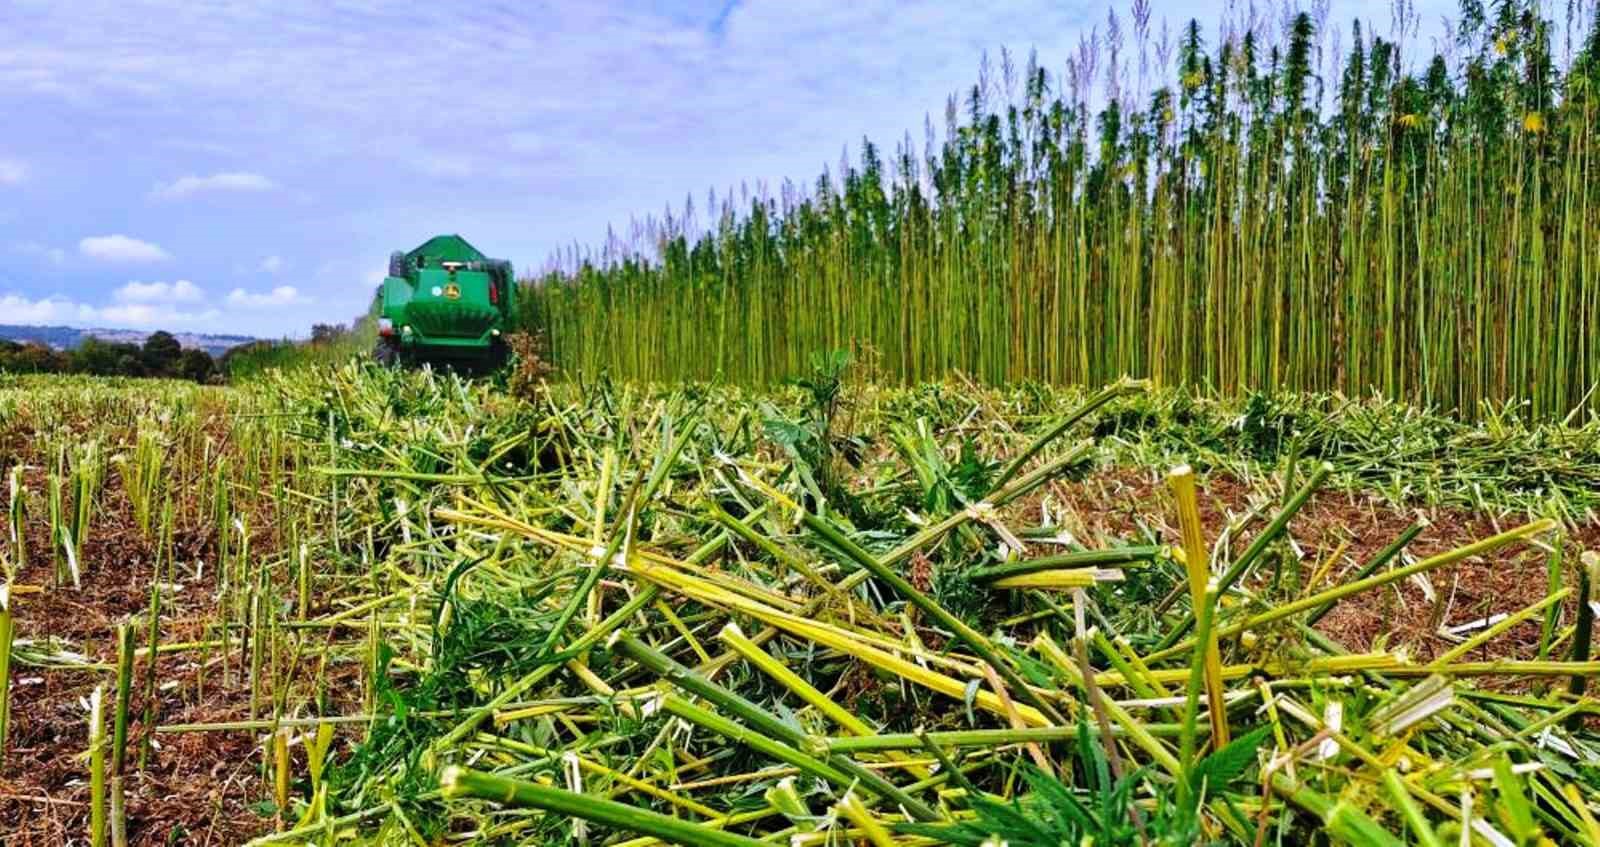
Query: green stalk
[[853, 744], [1076, 559], [1013, 490], [964, 633], [1200, 672], [1122, 387], [1553, 578], [1415, 819], [602, 566], [152, 652], [594, 636], [97, 770], [457, 781], [119, 734], [764, 721], [1483, 637], [1349, 589], [1338, 817], [1383, 558], [756, 740], [1583, 632]]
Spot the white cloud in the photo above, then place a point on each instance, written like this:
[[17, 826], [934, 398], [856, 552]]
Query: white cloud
[[121, 248], [272, 264], [282, 295], [226, 181], [50, 310], [60, 310], [152, 315], [181, 291], [12, 171]]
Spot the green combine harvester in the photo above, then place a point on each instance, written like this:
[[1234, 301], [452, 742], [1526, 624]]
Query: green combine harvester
[[445, 303]]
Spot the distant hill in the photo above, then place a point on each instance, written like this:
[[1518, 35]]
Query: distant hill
[[67, 337]]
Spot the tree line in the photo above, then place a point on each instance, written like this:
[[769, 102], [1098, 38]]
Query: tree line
[[161, 355]]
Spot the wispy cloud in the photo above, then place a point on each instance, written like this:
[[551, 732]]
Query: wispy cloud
[[181, 291], [19, 308], [121, 248], [49, 310], [153, 315], [282, 295], [12, 171], [272, 264], [185, 186]]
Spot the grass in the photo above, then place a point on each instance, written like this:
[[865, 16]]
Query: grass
[[409, 607]]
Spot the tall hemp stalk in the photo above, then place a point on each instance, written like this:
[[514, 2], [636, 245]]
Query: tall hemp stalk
[[1423, 227]]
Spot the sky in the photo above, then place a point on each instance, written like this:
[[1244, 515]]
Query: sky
[[247, 166]]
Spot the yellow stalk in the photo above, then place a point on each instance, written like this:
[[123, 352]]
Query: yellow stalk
[[643, 787], [1472, 643], [589, 678], [602, 494], [736, 640], [1327, 565], [716, 823], [1575, 797], [1136, 731], [1195, 562], [507, 716], [1061, 578], [871, 829], [280, 770], [1169, 676], [848, 642], [1138, 665], [911, 671], [677, 624], [716, 594]]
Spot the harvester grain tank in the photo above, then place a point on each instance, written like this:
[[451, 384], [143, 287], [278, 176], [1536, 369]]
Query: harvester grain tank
[[445, 303]]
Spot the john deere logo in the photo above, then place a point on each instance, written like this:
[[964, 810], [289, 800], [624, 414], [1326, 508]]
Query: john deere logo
[[452, 292]]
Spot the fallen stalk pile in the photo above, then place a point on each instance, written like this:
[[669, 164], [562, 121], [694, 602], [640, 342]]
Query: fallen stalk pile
[[625, 616], [716, 652]]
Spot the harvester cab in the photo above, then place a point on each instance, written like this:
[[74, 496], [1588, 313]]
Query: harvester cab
[[445, 303]]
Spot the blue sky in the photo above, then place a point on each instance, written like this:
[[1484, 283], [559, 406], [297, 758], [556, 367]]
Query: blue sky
[[247, 166]]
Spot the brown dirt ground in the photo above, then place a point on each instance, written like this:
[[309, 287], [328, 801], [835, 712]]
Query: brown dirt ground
[[1113, 501], [196, 789]]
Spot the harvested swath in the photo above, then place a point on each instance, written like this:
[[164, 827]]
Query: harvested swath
[[663, 613], [758, 755]]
